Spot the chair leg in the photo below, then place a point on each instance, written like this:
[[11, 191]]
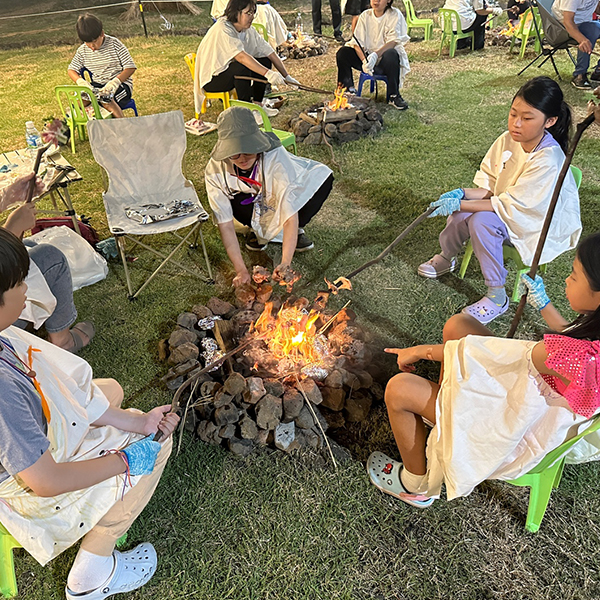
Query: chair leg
[[209, 270], [8, 580], [539, 496], [452, 46], [121, 247], [466, 260]]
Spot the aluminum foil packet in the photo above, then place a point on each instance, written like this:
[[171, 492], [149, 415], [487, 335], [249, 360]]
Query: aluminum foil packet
[[208, 322], [153, 213]]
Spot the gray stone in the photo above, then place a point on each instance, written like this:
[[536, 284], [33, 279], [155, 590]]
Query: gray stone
[[187, 320], [240, 447], [305, 419], [268, 412], [351, 380], [248, 428], [202, 311], [357, 407], [300, 128], [307, 438], [315, 129], [333, 398], [235, 384], [372, 114], [226, 414], [365, 378], [219, 307], [347, 137], [187, 367], [330, 129], [284, 435], [351, 127], [322, 421], [312, 391], [255, 390], [335, 379], [190, 421], [222, 398], [208, 432], [209, 389], [274, 387], [365, 124], [173, 384], [264, 437], [312, 139], [293, 401], [181, 336], [183, 353], [227, 431]]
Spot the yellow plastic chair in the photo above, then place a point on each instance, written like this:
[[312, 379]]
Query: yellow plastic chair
[[224, 97], [413, 22], [72, 107], [511, 253], [262, 30], [527, 29], [449, 19], [287, 138]]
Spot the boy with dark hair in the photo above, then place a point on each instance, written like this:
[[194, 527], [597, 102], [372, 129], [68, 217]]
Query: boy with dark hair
[[73, 464], [108, 63]]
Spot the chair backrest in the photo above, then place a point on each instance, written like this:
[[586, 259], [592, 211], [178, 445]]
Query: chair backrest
[[251, 106], [190, 61], [262, 30], [411, 15], [554, 31], [71, 96], [450, 21]]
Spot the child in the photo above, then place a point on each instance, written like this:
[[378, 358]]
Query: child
[[515, 184], [108, 61], [72, 463], [381, 33], [502, 404]]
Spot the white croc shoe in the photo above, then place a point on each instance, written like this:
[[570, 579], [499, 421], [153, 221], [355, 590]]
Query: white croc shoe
[[436, 267], [132, 570]]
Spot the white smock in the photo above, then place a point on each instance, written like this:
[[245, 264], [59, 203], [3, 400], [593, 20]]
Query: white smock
[[496, 417], [39, 302], [45, 527], [221, 44], [276, 28], [466, 10], [288, 183], [374, 32], [522, 184]]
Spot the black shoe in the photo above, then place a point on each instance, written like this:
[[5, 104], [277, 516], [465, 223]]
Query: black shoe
[[581, 82], [398, 102], [352, 90], [303, 244], [253, 244], [595, 78], [339, 37]]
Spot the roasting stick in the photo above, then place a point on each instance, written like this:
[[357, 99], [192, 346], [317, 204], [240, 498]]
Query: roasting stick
[[305, 88], [36, 168]]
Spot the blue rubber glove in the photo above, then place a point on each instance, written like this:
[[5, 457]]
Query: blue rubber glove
[[448, 203], [536, 295], [141, 456]]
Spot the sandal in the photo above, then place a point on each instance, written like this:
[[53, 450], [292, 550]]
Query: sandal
[[80, 332], [131, 570], [384, 473], [485, 310]]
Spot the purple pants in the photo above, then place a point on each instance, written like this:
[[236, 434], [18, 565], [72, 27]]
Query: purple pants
[[487, 232]]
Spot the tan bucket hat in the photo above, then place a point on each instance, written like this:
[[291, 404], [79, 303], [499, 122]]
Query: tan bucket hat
[[239, 134]]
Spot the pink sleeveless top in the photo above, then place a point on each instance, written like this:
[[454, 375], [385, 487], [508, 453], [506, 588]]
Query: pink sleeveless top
[[578, 361]]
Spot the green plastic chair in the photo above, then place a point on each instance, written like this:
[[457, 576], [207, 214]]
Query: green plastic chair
[[73, 110], [8, 579], [262, 30], [414, 22], [526, 30], [546, 476], [287, 138], [450, 19], [511, 253]]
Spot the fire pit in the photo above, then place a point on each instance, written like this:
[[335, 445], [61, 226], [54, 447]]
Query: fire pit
[[302, 46], [303, 369], [347, 118]]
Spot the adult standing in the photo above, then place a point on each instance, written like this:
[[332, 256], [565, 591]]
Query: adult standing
[[232, 47], [473, 15], [355, 8], [377, 47], [576, 16], [336, 18]]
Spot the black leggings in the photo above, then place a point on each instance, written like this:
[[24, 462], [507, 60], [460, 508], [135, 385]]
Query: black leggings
[[389, 65], [243, 212], [246, 90]]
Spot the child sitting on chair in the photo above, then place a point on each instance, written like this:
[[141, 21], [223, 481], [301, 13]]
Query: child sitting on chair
[[73, 464], [515, 183], [108, 63], [502, 404]]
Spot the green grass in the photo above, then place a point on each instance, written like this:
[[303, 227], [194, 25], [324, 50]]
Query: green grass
[[275, 526]]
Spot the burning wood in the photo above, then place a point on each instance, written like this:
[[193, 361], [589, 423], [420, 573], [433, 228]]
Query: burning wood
[[340, 102]]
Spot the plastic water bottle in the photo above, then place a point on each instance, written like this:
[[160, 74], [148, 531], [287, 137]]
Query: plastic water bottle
[[32, 136], [299, 27]]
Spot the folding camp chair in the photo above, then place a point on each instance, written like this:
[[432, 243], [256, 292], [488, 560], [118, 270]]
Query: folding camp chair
[[554, 34], [142, 158]]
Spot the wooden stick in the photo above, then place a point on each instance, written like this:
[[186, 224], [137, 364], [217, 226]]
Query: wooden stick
[[581, 127], [36, 168], [305, 88]]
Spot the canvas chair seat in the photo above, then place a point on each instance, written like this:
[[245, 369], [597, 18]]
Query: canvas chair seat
[[142, 158]]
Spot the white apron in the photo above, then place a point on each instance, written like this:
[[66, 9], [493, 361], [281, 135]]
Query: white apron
[[40, 302], [45, 527]]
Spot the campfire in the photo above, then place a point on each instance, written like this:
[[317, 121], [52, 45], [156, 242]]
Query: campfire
[[302, 46], [340, 102], [301, 369]]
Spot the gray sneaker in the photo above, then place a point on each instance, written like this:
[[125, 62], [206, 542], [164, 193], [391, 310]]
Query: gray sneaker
[[581, 82], [436, 267], [304, 243]]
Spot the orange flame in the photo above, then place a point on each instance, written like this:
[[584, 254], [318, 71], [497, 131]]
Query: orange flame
[[341, 101]]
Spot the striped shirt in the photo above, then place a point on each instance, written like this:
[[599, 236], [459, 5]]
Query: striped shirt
[[106, 63]]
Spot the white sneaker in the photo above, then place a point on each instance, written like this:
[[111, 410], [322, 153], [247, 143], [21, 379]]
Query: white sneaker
[[271, 112], [436, 267], [132, 570]]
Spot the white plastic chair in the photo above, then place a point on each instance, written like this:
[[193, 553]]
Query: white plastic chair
[[142, 157]]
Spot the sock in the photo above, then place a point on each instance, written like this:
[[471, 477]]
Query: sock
[[412, 483], [497, 295], [89, 571]]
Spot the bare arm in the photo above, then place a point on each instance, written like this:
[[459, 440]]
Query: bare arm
[[232, 248], [74, 75], [290, 238], [126, 74], [555, 320], [572, 29], [406, 357], [539, 355], [143, 423]]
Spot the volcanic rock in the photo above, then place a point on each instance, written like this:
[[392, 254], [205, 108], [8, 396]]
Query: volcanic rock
[[335, 420], [209, 388], [274, 387], [256, 390], [264, 437], [202, 311], [183, 353], [312, 391], [263, 293], [181, 336], [351, 380], [227, 431], [244, 295], [226, 414], [333, 398], [222, 398], [207, 431], [240, 447], [305, 419], [314, 139], [366, 380], [235, 384], [357, 407], [268, 411], [173, 384], [187, 320], [335, 379], [293, 401], [219, 307], [248, 428]]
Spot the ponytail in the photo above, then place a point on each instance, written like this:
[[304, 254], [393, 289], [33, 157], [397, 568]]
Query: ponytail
[[545, 95]]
